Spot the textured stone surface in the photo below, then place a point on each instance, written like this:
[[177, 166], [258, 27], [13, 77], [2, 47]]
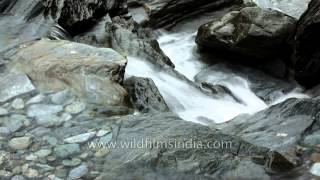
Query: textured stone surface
[[307, 52], [251, 32], [13, 85], [145, 96], [92, 73]]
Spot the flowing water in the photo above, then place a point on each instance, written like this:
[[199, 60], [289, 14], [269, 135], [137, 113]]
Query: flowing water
[[189, 102], [294, 8]]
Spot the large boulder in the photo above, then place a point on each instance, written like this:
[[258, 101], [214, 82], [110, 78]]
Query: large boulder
[[166, 147], [127, 37], [307, 52], [144, 95], [251, 32], [78, 16], [167, 13], [282, 127], [93, 73]]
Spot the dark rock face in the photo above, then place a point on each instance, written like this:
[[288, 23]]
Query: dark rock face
[[307, 51], [253, 32], [167, 13], [263, 85], [126, 36], [76, 16], [145, 96], [281, 127]]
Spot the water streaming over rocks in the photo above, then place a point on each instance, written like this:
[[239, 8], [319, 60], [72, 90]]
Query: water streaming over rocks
[[189, 102]]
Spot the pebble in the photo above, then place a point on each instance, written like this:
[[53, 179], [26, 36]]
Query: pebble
[[3, 111], [52, 141], [4, 131], [81, 138], [51, 120], [103, 132], [78, 172], [43, 153], [14, 124], [62, 98], [72, 163], [20, 143], [31, 173], [38, 110], [35, 100], [18, 104], [75, 107], [102, 152], [31, 157], [67, 150], [18, 177]]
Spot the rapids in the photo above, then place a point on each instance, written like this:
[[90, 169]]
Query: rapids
[[189, 102]]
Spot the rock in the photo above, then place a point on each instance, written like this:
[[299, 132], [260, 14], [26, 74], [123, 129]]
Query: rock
[[77, 16], [43, 153], [78, 172], [145, 96], [31, 157], [251, 32], [18, 104], [3, 111], [50, 120], [71, 163], [62, 98], [179, 163], [103, 132], [315, 169], [14, 123], [102, 153], [20, 143], [4, 131], [312, 139], [18, 177], [108, 111], [281, 127], [52, 141], [94, 74], [41, 110], [36, 99], [315, 157], [31, 173], [13, 85], [129, 38], [167, 13], [67, 150], [81, 138], [307, 53], [75, 108]]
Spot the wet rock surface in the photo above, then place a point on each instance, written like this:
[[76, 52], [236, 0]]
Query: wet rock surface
[[144, 95], [66, 111], [167, 13], [307, 53], [90, 72], [252, 32]]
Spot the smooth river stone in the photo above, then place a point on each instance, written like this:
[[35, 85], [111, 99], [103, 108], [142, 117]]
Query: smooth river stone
[[13, 85], [20, 143], [39, 110]]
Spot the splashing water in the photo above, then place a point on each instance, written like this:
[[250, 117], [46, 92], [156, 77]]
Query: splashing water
[[186, 100]]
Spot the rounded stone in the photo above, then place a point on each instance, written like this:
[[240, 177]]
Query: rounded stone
[[20, 143]]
